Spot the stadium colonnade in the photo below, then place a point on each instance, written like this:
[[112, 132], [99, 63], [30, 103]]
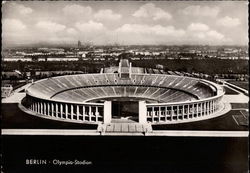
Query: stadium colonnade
[[61, 98]]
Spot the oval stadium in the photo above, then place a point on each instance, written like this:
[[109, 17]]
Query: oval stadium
[[124, 94]]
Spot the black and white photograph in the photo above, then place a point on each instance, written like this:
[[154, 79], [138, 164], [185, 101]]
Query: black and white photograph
[[125, 86]]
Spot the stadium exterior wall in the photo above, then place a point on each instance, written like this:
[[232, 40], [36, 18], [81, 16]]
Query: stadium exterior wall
[[154, 113], [173, 113]]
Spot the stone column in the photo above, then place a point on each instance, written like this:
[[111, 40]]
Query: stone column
[[193, 110], [172, 113], [143, 112], [213, 106], [56, 110], [36, 107], [166, 112], [210, 104], [45, 109], [77, 112], [96, 113], [159, 114], [61, 110], [183, 111], [201, 109], [71, 111], [83, 113], [90, 113], [31, 107], [153, 114], [177, 112], [66, 111], [107, 116], [207, 106], [197, 109], [41, 107], [52, 109], [48, 109]]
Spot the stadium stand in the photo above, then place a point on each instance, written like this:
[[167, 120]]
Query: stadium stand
[[82, 87]]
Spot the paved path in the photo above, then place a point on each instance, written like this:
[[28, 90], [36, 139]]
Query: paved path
[[124, 128], [186, 133], [16, 96], [241, 98]]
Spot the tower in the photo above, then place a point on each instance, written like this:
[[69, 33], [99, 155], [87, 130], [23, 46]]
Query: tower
[[79, 44]]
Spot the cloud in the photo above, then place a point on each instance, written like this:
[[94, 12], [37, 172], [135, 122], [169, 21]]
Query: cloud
[[150, 10], [198, 27], [197, 10], [89, 26], [49, 26], [215, 35], [71, 31], [210, 35], [107, 15], [13, 25], [23, 10], [203, 32], [152, 30], [77, 11], [132, 28], [167, 31], [200, 35], [228, 21], [146, 34], [14, 30]]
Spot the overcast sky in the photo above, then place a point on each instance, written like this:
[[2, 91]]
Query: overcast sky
[[126, 22]]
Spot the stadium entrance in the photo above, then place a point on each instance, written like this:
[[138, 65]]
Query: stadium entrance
[[125, 111]]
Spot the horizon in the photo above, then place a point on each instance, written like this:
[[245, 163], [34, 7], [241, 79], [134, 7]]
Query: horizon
[[210, 23], [62, 45]]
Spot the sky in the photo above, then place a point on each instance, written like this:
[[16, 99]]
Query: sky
[[125, 22]]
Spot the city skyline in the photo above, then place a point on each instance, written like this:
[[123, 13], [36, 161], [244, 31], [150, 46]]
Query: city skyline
[[126, 23]]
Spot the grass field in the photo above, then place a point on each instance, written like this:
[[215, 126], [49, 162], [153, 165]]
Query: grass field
[[244, 85], [239, 105], [230, 91], [14, 118]]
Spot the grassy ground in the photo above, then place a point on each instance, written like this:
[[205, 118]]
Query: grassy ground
[[14, 118], [244, 85], [230, 91], [224, 122], [239, 105]]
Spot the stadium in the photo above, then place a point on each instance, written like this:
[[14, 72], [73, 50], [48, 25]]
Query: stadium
[[124, 94]]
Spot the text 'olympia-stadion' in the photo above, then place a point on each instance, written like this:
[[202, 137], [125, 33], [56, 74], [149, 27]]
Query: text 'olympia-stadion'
[[102, 97]]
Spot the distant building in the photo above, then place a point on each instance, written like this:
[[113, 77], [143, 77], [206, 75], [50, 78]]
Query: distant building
[[6, 90], [79, 44]]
